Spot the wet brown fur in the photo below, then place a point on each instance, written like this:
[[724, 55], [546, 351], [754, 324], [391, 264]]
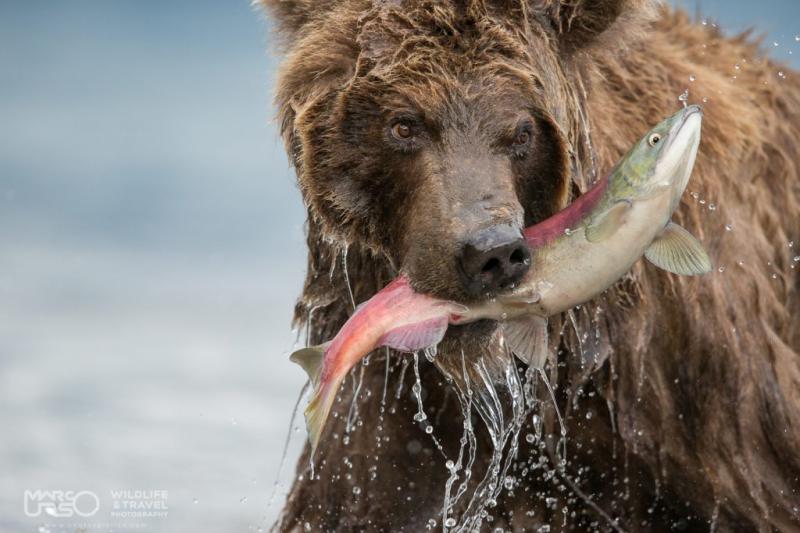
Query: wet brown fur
[[695, 397]]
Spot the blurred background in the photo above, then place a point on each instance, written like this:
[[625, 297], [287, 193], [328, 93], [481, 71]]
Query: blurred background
[[151, 248]]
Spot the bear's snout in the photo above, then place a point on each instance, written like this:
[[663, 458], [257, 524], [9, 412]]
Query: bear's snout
[[493, 259]]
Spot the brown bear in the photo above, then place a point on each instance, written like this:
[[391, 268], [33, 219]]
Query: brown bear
[[425, 135]]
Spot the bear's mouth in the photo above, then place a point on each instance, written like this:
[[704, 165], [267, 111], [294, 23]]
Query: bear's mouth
[[472, 331]]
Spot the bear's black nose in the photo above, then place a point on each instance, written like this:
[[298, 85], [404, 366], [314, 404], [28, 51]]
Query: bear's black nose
[[494, 259]]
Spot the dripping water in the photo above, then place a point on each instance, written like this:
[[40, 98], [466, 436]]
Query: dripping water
[[347, 277], [420, 416], [574, 322], [587, 130], [467, 441], [385, 379], [352, 415], [503, 433], [284, 453], [399, 391]]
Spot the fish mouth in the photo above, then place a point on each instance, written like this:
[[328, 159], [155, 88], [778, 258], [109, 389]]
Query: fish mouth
[[677, 155], [693, 112]]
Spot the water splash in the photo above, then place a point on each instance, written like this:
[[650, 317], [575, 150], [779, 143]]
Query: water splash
[[467, 442], [491, 388]]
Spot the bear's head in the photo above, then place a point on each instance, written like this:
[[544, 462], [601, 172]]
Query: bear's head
[[433, 132]]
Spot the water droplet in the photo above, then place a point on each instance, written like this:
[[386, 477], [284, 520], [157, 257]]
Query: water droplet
[[588, 415], [705, 99], [450, 522], [692, 78], [775, 44], [567, 231], [781, 75], [356, 490], [530, 437], [728, 227], [737, 66], [429, 429], [721, 269], [431, 523], [712, 207], [774, 276], [796, 259], [509, 482], [684, 97], [419, 417], [694, 195], [450, 464], [705, 22], [702, 202], [797, 38], [306, 527]]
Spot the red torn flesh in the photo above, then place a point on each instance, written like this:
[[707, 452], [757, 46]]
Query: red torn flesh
[[550, 229]]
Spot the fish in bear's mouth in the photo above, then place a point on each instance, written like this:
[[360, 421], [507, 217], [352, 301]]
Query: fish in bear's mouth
[[574, 255]]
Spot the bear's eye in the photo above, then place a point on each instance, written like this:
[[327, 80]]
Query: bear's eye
[[654, 139], [522, 139], [402, 131], [521, 142]]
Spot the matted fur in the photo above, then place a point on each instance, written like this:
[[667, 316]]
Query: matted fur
[[691, 416]]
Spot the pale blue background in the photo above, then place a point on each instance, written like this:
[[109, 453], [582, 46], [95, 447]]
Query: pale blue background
[[151, 249]]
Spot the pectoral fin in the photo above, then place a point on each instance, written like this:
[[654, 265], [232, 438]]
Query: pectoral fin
[[413, 337], [606, 224], [311, 360], [676, 250], [527, 338]]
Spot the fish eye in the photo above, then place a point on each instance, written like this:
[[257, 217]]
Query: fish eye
[[654, 139]]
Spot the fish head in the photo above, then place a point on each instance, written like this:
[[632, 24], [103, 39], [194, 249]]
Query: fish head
[[663, 158]]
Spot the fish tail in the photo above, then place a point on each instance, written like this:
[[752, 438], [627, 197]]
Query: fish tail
[[318, 410], [311, 360]]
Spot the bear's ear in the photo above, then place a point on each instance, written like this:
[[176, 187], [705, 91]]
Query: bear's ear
[[581, 24], [293, 15]]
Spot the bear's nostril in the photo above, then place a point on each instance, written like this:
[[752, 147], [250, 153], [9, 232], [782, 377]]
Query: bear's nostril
[[494, 259], [517, 257]]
